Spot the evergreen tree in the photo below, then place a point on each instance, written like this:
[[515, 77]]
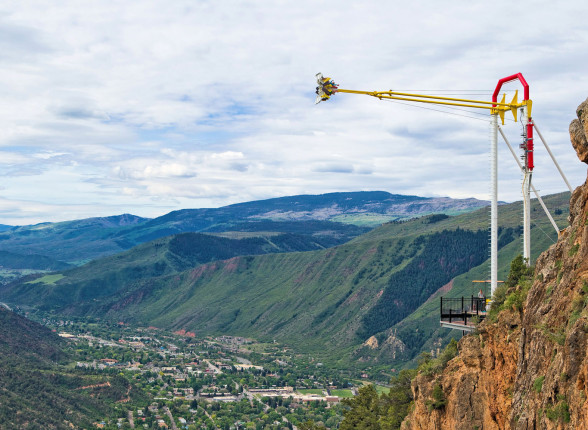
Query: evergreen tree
[[364, 412], [398, 400], [519, 271]]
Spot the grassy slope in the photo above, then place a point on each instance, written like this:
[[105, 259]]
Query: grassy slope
[[299, 304], [304, 297], [158, 258]]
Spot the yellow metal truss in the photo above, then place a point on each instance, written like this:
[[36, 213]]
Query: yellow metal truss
[[495, 108]]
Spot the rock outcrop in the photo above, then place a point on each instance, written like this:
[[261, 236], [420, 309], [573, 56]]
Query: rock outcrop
[[371, 343], [579, 132], [528, 369]]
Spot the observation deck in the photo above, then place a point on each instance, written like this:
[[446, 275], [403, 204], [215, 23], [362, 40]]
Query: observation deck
[[461, 313]]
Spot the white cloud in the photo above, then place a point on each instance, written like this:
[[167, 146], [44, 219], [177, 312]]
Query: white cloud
[[152, 106], [155, 171]]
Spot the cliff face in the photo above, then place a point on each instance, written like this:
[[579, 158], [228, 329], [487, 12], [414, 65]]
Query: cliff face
[[529, 369]]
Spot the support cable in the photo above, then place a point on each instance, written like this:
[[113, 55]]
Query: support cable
[[444, 111], [532, 186], [474, 92], [546, 235], [553, 157]]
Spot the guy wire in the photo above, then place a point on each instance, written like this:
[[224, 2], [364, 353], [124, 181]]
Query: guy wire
[[442, 111]]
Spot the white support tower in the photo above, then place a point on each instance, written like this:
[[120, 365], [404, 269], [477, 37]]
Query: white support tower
[[327, 88], [527, 175], [527, 217], [493, 204]]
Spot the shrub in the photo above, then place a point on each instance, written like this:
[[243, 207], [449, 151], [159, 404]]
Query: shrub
[[499, 296], [513, 293], [573, 250], [439, 401], [430, 366], [519, 271], [575, 315], [538, 384], [516, 299], [558, 336], [448, 353], [561, 411]]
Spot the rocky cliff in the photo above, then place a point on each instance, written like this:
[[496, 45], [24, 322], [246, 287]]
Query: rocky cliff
[[528, 367]]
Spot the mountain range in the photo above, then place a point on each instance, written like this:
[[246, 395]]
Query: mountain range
[[82, 240], [318, 220], [369, 299]]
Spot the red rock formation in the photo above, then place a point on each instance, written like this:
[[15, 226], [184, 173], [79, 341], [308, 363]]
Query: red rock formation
[[529, 369]]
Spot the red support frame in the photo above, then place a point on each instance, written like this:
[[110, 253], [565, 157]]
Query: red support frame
[[511, 78], [530, 165]]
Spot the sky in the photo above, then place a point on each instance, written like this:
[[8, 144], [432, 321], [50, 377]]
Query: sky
[[146, 107]]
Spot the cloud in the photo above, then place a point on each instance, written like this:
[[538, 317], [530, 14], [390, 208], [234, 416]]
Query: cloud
[[154, 171], [20, 43], [157, 106], [11, 158], [333, 168]]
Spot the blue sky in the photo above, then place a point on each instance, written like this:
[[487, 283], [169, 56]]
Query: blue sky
[[146, 107]]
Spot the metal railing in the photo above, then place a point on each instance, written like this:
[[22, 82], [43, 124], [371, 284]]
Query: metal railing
[[459, 310]]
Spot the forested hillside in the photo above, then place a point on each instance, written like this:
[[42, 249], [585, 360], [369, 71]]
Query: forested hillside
[[30, 261], [37, 392], [70, 241], [446, 255], [165, 256]]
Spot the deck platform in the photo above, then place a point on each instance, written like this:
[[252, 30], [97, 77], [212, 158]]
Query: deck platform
[[461, 313]]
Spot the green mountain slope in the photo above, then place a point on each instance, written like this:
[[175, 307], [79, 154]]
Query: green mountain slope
[[327, 302], [70, 241], [31, 261], [38, 393], [301, 297], [172, 254], [421, 330]]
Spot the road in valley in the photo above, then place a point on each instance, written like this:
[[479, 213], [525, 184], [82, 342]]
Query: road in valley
[[212, 367], [171, 417], [131, 420]]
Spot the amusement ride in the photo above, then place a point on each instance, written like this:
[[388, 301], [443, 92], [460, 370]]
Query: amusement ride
[[326, 88]]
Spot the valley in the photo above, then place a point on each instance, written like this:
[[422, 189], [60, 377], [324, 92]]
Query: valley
[[366, 303], [180, 380]]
